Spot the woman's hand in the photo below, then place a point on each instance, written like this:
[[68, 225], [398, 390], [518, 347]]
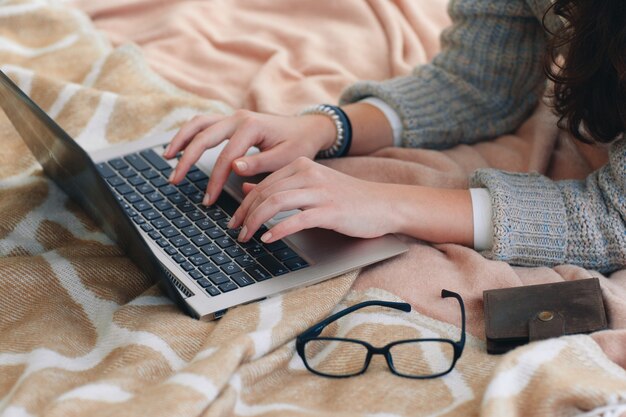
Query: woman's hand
[[281, 140], [332, 200], [327, 198]]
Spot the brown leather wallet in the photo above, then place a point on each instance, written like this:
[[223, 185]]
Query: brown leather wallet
[[515, 316]]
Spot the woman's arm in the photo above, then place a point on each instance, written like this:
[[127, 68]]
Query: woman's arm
[[484, 83]]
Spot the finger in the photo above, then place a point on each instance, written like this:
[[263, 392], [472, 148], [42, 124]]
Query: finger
[[281, 201], [242, 139], [307, 219], [190, 129], [246, 187], [208, 138], [259, 194], [269, 160]]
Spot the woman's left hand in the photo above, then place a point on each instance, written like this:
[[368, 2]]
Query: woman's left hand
[[327, 198]]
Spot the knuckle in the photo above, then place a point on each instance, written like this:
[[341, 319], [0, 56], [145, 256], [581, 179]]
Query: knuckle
[[242, 114]]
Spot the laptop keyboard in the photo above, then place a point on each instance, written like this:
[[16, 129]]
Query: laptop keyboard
[[194, 236]]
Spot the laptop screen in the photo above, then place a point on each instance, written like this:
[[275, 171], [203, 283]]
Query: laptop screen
[[69, 166]]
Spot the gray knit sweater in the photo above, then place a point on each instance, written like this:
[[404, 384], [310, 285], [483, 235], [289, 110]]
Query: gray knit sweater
[[486, 82]]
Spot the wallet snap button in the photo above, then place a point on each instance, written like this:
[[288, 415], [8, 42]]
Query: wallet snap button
[[545, 316]]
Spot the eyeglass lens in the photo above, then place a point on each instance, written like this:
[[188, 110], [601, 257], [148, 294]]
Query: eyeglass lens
[[413, 358]]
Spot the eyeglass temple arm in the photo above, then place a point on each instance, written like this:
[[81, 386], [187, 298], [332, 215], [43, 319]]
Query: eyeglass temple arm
[[317, 329], [446, 294]]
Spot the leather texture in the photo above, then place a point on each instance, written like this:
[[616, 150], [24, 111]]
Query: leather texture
[[515, 316]]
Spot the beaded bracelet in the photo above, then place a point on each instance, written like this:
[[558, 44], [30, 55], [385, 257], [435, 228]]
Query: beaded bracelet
[[342, 143]]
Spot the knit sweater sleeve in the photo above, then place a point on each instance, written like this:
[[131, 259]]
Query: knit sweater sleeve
[[539, 222], [484, 83]]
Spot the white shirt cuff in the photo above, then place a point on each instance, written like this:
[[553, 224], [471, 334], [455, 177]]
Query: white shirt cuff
[[390, 114], [482, 215]]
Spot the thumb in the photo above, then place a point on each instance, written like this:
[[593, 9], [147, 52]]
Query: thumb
[[266, 161]]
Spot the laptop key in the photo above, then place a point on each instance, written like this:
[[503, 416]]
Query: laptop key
[[181, 222], [146, 227], [214, 233], [176, 198], [145, 189], [191, 231], [245, 261], [118, 164], [272, 265], [154, 197], [275, 246], [141, 205], [154, 159], [178, 258], [137, 162], [229, 286], [205, 224], [158, 182], [105, 170], [230, 268], [162, 243], [150, 174], [139, 220], [196, 175], [179, 241], [186, 206], [127, 172], [169, 232], [197, 197], [160, 223], [172, 214], [136, 181], [242, 279], [115, 181], [187, 266], [258, 273], [162, 205], [188, 189], [285, 254], [235, 251], [208, 269], [256, 250], [195, 215], [203, 282], [154, 235], [151, 214], [168, 189], [170, 250], [210, 249], [224, 242], [220, 258], [216, 214], [218, 278], [296, 263], [197, 275], [200, 240], [212, 291], [198, 259], [124, 189], [188, 250], [132, 197]]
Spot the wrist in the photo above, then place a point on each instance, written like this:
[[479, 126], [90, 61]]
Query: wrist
[[435, 215], [325, 130]]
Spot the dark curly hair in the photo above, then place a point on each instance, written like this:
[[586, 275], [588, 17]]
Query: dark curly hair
[[590, 82]]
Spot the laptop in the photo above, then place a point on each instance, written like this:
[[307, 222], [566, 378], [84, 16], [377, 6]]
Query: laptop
[[168, 233]]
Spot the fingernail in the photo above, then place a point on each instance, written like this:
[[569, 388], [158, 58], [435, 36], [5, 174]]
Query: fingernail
[[231, 222], [206, 199], [167, 150], [242, 234], [241, 165], [172, 175], [267, 236]]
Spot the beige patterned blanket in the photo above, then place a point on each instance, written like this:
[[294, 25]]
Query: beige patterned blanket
[[83, 332]]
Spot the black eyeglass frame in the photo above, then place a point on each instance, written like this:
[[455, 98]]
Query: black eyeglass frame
[[314, 331]]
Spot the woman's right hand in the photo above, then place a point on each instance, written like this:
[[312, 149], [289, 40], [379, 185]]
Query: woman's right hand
[[281, 140]]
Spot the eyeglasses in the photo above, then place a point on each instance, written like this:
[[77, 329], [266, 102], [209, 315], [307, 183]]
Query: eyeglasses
[[413, 358]]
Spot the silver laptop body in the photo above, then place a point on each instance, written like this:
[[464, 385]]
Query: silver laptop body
[[324, 254]]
